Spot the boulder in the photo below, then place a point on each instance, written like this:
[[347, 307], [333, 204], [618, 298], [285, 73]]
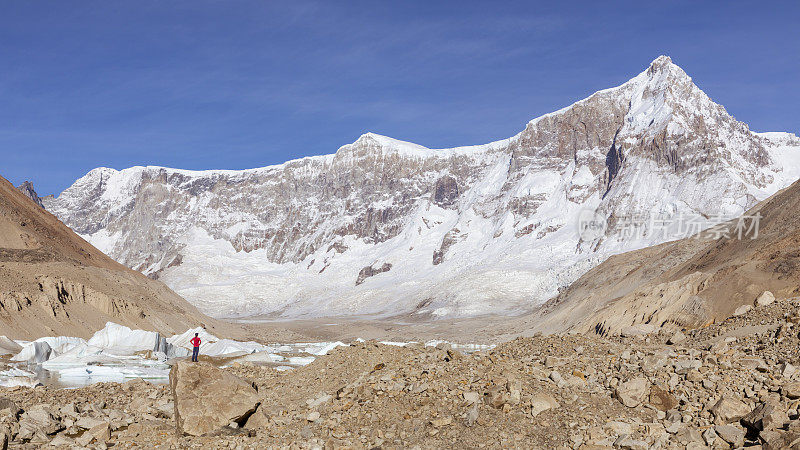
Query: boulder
[[685, 365], [732, 434], [87, 423], [633, 392], [542, 402], [792, 390], [688, 436], [440, 421], [618, 428], [207, 398], [472, 415], [788, 370], [779, 440], [653, 363], [766, 298], [710, 437], [100, 433], [62, 441], [628, 443], [676, 338], [41, 417], [472, 397], [497, 396], [258, 420], [662, 399], [7, 403], [765, 416], [4, 437], [744, 309], [28, 431], [728, 410], [751, 363]]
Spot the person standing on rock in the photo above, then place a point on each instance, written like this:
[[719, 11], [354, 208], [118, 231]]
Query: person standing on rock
[[196, 347]]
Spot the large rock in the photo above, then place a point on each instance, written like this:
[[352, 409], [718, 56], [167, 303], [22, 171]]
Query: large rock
[[686, 365], [676, 338], [765, 299], [207, 398], [633, 392], [542, 402], [728, 410], [792, 390], [731, 434], [7, 403], [100, 433], [258, 420], [42, 417], [766, 416], [662, 399]]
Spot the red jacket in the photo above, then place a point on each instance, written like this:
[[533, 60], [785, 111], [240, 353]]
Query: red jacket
[[195, 341]]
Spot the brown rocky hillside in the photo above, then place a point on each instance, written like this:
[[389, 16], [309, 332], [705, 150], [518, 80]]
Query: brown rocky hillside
[[687, 283], [52, 282]]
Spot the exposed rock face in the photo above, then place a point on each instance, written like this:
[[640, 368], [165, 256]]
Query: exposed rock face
[[445, 192], [207, 398], [27, 189], [301, 231], [371, 271]]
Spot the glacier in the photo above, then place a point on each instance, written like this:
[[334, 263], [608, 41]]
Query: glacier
[[117, 353]]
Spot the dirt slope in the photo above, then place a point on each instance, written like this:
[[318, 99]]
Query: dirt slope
[[52, 282], [685, 283]]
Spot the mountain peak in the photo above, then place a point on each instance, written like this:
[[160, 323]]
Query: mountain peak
[[662, 60], [662, 68], [387, 142], [502, 217], [27, 189]]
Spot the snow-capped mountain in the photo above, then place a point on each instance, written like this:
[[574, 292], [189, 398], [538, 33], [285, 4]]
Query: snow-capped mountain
[[388, 227]]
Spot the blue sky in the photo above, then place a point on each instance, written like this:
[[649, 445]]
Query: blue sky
[[235, 84]]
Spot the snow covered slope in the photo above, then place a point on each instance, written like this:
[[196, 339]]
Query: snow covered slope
[[387, 227]]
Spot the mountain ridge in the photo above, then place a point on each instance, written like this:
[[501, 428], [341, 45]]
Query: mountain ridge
[[469, 230]]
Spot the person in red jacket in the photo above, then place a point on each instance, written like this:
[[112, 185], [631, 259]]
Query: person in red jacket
[[196, 344]]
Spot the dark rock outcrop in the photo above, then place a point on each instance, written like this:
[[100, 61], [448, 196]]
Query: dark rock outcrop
[[27, 189], [370, 271]]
